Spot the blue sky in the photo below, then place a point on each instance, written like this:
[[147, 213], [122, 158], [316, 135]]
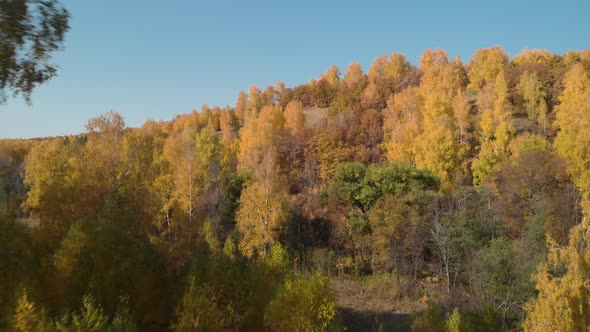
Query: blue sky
[[154, 59]]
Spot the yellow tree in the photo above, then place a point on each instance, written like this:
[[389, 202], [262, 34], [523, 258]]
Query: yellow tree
[[563, 301], [535, 56], [332, 75], [263, 205], [485, 65], [437, 148], [401, 125], [495, 129], [241, 108], [573, 121], [181, 152], [262, 134], [533, 94], [79, 172], [354, 78], [194, 160], [573, 57], [229, 142], [263, 213], [295, 120], [227, 125], [383, 77], [141, 148], [255, 100], [29, 318], [99, 166], [51, 194], [461, 111], [304, 303]]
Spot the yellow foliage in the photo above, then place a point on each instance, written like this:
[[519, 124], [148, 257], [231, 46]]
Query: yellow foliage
[[563, 302], [495, 128], [303, 304], [437, 147], [261, 136], [401, 125], [485, 65], [573, 120], [262, 214], [295, 119]]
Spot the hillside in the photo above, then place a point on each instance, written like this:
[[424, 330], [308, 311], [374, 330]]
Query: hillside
[[444, 196]]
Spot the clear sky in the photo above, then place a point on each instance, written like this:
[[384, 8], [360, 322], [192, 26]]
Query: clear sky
[[154, 59]]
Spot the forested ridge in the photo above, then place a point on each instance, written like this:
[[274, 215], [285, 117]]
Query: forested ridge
[[457, 193]]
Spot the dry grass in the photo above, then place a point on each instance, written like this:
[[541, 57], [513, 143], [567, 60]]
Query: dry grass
[[375, 302]]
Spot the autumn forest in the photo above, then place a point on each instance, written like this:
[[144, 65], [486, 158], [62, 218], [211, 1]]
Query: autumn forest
[[458, 190], [444, 195]]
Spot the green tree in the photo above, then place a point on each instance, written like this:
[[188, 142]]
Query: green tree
[[430, 321], [30, 32], [200, 310]]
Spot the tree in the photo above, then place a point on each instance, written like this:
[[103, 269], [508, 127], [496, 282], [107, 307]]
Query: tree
[[180, 151], [103, 151], [563, 301], [91, 317], [295, 120], [573, 121], [397, 234], [535, 56], [261, 137], [485, 65], [255, 100], [437, 148], [533, 94], [500, 278], [30, 32], [462, 113], [332, 76], [532, 185], [431, 320], [401, 125], [201, 310], [385, 76], [495, 128], [354, 79], [20, 266], [262, 215], [331, 151], [303, 303], [242, 106], [27, 317], [54, 196], [107, 257], [362, 186], [263, 204], [227, 125]]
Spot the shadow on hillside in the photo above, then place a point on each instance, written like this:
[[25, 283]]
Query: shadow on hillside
[[371, 321]]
